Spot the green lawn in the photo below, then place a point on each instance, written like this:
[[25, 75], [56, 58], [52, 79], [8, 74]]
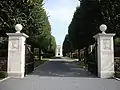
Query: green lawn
[[39, 62]]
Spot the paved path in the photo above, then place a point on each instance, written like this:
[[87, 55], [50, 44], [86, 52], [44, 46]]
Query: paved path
[[60, 75]]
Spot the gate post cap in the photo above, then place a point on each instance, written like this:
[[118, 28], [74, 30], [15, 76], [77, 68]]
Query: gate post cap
[[18, 28], [103, 28]]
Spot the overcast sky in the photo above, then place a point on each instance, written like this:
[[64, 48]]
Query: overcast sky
[[61, 13]]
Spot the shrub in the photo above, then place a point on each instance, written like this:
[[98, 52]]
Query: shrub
[[117, 67], [117, 74], [3, 74]]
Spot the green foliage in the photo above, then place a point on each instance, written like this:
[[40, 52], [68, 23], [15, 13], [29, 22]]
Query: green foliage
[[117, 67], [67, 45], [50, 51], [32, 15], [89, 16], [117, 41], [3, 74], [53, 44]]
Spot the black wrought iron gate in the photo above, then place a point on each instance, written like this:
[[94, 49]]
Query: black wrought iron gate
[[3, 51], [92, 60], [29, 60]]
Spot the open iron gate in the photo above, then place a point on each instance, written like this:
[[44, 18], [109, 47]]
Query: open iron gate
[[29, 60], [3, 50], [92, 60]]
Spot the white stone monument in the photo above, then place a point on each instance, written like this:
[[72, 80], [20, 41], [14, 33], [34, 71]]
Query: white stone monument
[[16, 53], [105, 53], [59, 51]]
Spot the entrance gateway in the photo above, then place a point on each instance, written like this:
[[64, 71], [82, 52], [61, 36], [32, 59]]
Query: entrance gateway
[[103, 65], [20, 61], [16, 53]]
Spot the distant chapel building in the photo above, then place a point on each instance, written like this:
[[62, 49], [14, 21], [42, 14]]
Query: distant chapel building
[[59, 51]]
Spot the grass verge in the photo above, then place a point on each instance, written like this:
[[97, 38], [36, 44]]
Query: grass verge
[[39, 62], [82, 64]]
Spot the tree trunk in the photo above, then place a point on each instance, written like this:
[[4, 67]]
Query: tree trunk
[[39, 54], [32, 49], [71, 54], [79, 57], [86, 54]]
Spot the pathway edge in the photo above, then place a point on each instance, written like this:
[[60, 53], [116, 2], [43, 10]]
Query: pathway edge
[[116, 78], [41, 65], [4, 79]]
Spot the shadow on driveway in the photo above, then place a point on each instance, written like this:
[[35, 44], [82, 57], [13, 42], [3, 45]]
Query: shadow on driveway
[[62, 69]]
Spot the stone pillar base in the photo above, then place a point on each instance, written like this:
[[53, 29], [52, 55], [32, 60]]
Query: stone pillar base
[[16, 75], [16, 55], [106, 74], [105, 55]]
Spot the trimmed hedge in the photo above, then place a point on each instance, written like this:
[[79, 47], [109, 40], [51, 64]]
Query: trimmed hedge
[[117, 67], [117, 74], [3, 74]]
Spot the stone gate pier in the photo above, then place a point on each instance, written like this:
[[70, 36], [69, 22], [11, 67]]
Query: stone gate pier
[[16, 53], [105, 53]]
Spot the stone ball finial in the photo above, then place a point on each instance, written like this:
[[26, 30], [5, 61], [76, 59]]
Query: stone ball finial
[[18, 28], [103, 28]]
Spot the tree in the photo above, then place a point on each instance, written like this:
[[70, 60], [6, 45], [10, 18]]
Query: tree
[[32, 15], [89, 16], [87, 19], [67, 45], [51, 49]]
